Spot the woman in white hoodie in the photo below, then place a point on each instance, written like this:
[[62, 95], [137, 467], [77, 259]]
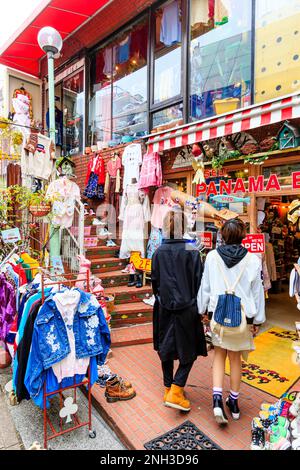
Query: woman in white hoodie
[[231, 264]]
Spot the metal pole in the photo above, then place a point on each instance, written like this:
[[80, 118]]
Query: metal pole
[[54, 233]]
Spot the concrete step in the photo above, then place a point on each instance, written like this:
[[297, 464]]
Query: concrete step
[[129, 294], [102, 265]]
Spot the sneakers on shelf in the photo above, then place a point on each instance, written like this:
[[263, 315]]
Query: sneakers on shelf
[[130, 269], [104, 233], [219, 412], [258, 441], [97, 222], [150, 301], [233, 407], [110, 243]]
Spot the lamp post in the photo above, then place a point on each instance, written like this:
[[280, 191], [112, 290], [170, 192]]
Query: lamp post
[[50, 41]]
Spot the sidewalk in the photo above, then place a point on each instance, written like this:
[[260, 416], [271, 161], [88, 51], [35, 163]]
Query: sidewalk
[[145, 417], [9, 439]]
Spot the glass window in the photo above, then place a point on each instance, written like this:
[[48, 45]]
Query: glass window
[[100, 103], [283, 172], [277, 65], [167, 65], [220, 52], [73, 113], [130, 83], [169, 117]]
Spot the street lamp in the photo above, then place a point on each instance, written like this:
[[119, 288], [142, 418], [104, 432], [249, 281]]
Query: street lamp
[[50, 41]]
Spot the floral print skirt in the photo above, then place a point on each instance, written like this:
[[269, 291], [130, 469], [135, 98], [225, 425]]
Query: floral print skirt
[[94, 190]]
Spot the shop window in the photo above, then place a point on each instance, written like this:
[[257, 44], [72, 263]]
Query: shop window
[[220, 55], [100, 103], [166, 118], [73, 113], [283, 172], [167, 53], [277, 64], [130, 83]]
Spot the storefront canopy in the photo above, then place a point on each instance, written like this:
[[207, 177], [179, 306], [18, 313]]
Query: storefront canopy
[[226, 124], [22, 51]]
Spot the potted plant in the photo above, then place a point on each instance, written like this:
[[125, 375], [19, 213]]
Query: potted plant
[[39, 205]]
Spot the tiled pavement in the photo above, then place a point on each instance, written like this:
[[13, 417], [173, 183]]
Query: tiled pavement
[[143, 418], [9, 440]]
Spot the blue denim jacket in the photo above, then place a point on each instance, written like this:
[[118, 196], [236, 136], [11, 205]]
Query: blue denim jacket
[[50, 343]]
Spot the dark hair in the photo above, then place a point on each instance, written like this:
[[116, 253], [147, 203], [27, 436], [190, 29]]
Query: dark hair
[[233, 232], [174, 224]]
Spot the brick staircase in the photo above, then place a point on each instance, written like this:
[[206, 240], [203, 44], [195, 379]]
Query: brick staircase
[[131, 318]]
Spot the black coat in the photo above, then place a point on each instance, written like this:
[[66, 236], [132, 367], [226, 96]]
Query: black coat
[[176, 276]]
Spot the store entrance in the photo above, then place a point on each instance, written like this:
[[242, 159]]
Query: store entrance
[[278, 219]]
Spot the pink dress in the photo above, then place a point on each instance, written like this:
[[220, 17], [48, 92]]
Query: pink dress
[[151, 172], [162, 204]]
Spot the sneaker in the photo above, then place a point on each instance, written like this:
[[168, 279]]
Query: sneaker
[[295, 407], [296, 444], [219, 412], [130, 269], [258, 441], [104, 233], [271, 408], [277, 432], [101, 381], [110, 243], [233, 407], [281, 444], [150, 301], [97, 222]]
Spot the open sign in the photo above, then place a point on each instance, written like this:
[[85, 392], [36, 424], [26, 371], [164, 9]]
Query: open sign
[[254, 243]]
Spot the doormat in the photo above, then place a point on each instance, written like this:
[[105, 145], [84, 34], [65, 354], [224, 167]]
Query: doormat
[[185, 437], [272, 367]]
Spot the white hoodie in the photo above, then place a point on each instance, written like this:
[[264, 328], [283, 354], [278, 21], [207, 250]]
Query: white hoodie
[[249, 289]]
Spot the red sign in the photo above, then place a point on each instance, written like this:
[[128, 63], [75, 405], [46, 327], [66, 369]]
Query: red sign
[[206, 239], [254, 243]]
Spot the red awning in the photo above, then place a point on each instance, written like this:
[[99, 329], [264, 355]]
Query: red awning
[[22, 51], [226, 124]]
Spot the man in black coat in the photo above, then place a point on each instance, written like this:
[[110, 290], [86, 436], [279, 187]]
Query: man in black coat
[[177, 327]]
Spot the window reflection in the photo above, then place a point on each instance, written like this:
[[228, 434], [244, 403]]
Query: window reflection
[[167, 118], [168, 34], [277, 66], [220, 56], [73, 113]]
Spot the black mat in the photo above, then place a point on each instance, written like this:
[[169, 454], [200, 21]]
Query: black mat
[[185, 437]]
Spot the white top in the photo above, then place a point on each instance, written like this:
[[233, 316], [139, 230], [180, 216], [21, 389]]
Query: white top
[[65, 192], [38, 164], [131, 160], [249, 289], [66, 303]]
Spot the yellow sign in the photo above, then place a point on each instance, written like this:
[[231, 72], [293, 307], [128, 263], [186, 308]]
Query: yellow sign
[[142, 264]]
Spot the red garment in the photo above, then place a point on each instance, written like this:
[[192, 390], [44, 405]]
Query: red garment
[[97, 166], [18, 268]]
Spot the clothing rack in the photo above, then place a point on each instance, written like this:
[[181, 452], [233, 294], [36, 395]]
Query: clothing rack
[[86, 382]]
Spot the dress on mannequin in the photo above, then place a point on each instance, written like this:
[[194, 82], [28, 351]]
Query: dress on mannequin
[[65, 193], [135, 213]]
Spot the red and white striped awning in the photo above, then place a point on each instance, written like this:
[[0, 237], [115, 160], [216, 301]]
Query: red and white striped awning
[[226, 124]]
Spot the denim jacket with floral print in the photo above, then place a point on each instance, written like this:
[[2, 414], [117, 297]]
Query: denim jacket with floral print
[[50, 343]]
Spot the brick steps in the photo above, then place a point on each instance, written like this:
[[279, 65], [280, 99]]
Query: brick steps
[[114, 278], [102, 265], [101, 252], [129, 295], [131, 335], [131, 314]]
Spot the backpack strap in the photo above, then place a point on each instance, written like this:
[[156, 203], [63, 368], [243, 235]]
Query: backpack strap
[[231, 290]]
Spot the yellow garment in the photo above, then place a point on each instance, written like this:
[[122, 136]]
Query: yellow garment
[[199, 12], [33, 263]]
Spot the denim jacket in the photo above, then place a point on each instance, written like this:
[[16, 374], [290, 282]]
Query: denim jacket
[[50, 343]]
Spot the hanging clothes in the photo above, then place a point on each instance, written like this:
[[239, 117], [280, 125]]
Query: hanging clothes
[[270, 261], [95, 178], [66, 192], [14, 174], [131, 160], [199, 12], [162, 204], [170, 31], [154, 242], [7, 306], [135, 213], [112, 187], [37, 163], [151, 171]]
